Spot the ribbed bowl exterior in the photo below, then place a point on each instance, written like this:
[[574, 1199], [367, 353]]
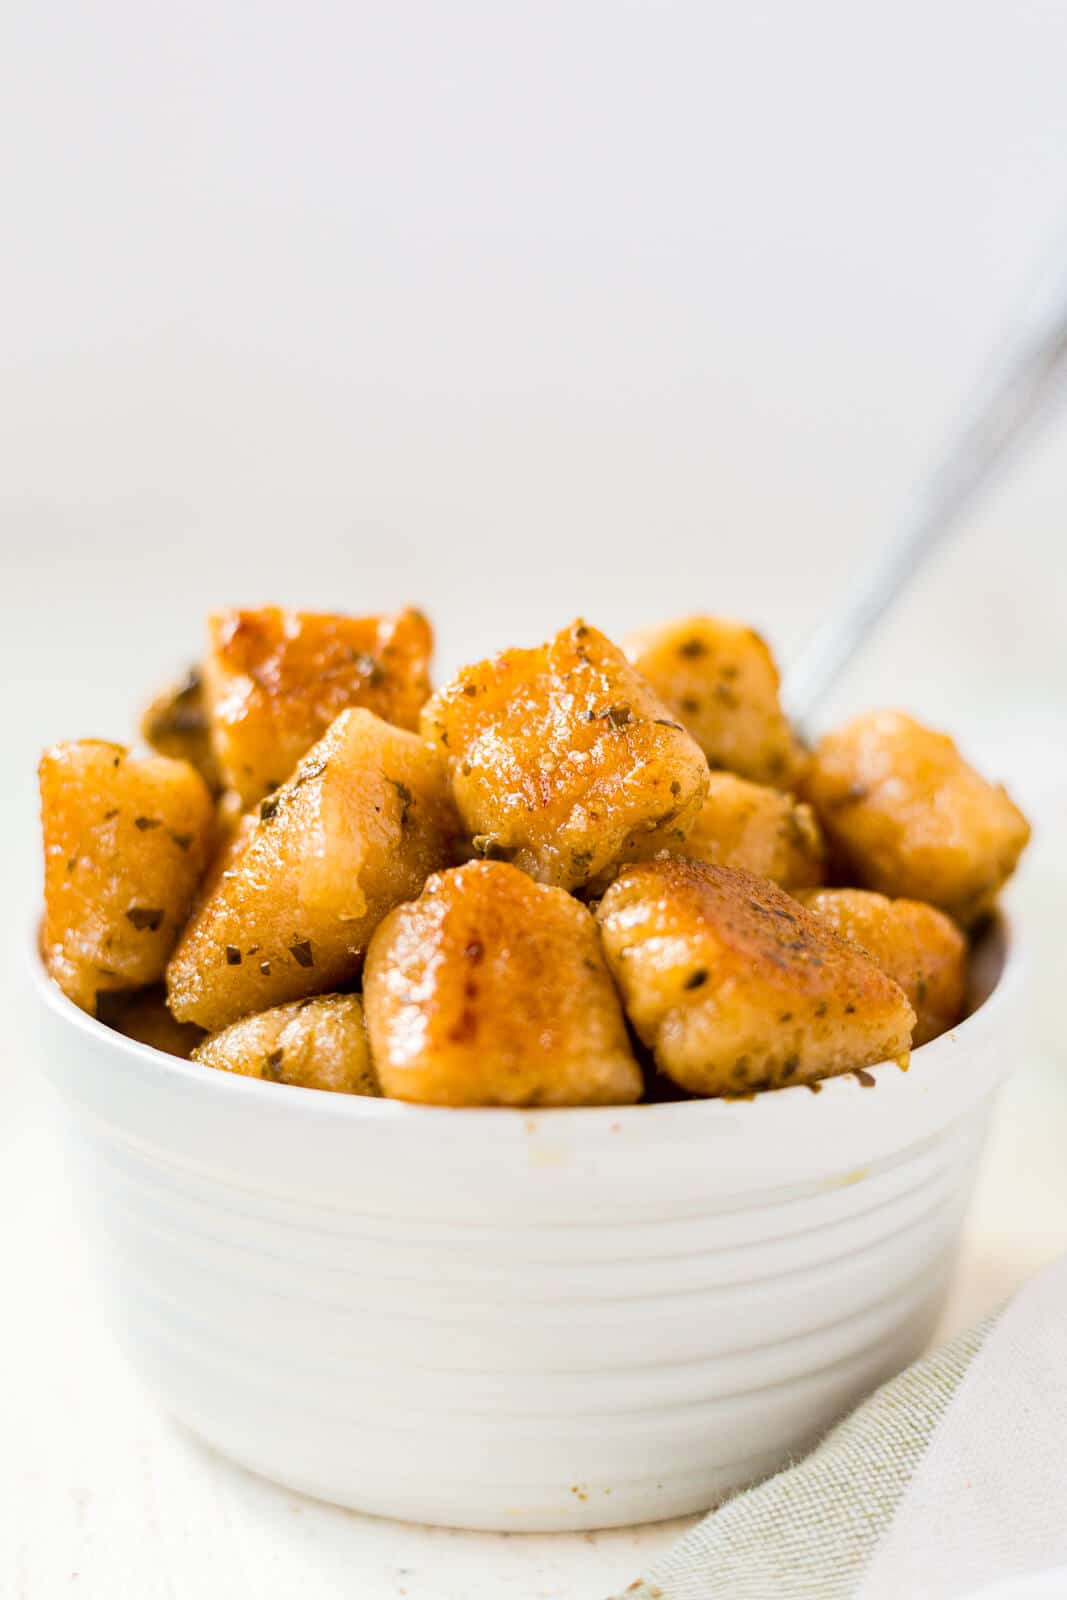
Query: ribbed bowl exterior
[[553, 1320]]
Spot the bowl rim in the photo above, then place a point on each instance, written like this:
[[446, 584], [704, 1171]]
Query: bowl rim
[[927, 1059]]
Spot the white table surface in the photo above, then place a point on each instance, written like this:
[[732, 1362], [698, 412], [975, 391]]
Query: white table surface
[[511, 312]]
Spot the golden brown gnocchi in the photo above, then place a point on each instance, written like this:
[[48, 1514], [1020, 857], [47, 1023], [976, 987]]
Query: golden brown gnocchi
[[764, 830], [563, 760], [719, 679], [145, 1016], [126, 840], [910, 818], [735, 987], [274, 680], [319, 1043], [175, 723], [363, 822], [311, 804], [918, 946], [491, 989]]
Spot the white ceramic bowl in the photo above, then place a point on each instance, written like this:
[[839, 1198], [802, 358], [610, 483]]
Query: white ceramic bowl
[[543, 1320]]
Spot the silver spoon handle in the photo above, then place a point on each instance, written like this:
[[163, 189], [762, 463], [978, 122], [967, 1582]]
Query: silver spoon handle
[[1008, 412]]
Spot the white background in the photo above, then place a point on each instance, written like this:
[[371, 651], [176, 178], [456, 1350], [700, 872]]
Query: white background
[[515, 311]]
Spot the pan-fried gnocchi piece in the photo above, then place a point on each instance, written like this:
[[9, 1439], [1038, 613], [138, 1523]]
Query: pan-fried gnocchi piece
[[274, 681], [145, 1016], [230, 814], [764, 830], [908, 815], [491, 989], [364, 820], [176, 724], [562, 759], [719, 679], [918, 946], [315, 1044], [126, 840], [229, 846], [735, 987]]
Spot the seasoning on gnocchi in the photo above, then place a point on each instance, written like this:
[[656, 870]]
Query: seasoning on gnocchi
[[126, 841], [910, 817], [359, 827], [761, 829], [720, 680], [563, 760], [574, 875], [735, 987], [917, 945], [319, 1043], [491, 989], [274, 680]]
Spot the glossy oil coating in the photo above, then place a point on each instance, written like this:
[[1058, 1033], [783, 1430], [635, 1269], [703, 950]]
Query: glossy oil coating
[[126, 840], [320, 1043], [735, 987], [492, 990], [364, 821], [274, 680], [563, 760]]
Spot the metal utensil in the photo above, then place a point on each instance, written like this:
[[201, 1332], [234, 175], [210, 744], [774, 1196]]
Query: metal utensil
[[1019, 397]]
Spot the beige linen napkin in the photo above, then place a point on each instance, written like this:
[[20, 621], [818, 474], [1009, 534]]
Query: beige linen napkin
[[948, 1479]]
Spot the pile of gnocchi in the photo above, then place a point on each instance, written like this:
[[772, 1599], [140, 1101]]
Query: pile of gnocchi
[[573, 875]]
